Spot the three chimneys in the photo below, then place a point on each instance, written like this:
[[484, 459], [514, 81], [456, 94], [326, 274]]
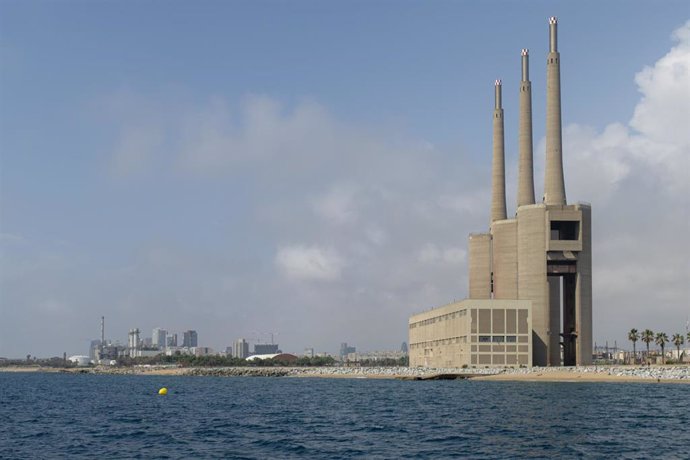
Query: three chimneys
[[554, 184]]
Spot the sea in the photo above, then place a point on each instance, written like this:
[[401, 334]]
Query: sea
[[73, 416]]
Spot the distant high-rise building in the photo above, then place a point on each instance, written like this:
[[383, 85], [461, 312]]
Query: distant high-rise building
[[345, 350], [309, 352], [266, 349], [189, 339], [133, 342], [171, 340], [94, 347], [403, 347], [158, 338], [240, 349]]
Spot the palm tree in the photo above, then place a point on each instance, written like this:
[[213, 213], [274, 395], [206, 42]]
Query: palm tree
[[678, 341], [661, 339], [633, 335], [647, 337]]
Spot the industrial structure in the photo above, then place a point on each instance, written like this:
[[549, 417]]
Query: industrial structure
[[538, 264], [240, 349]]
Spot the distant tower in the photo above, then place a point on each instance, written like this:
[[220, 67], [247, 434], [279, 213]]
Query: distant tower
[[554, 183], [102, 330], [189, 339], [159, 337], [241, 349], [525, 172], [498, 173], [133, 342]]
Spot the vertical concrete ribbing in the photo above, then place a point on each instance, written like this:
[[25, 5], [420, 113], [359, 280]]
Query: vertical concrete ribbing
[[583, 290], [526, 169], [480, 266], [498, 175], [532, 279], [504, 259], [554, 183]]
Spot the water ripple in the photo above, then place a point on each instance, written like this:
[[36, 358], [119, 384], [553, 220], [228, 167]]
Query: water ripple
[[90, 416]]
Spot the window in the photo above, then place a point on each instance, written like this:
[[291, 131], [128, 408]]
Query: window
[[484, 338], [568, 230], [485, 321], [511, 339], [522, 322], [511, 321], [499, 323]]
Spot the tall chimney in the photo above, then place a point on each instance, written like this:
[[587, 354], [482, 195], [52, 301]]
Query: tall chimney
[[554, 184], [525, 171], [498, 173]]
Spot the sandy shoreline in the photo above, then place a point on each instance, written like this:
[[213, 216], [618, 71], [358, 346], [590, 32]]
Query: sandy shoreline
[[621, 374], [577, 377]]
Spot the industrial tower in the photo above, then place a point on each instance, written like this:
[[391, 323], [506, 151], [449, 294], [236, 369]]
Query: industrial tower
[[544, 253]]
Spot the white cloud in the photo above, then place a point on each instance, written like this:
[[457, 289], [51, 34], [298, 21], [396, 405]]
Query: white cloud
[[654, 146], [398, 211], [663, 113], [431, 253], [638, 178], [309, 263], [338, 205]]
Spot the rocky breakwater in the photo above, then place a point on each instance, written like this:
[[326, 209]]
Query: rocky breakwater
[[409, 373], [668, 372], [238, 371]]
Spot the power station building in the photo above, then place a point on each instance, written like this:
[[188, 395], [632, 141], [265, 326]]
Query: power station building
[[533, 270]]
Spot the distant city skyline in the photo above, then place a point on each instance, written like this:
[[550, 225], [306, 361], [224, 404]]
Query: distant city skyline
[[311, 170]]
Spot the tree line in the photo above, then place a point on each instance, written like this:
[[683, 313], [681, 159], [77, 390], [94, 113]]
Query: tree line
[[660, 338]]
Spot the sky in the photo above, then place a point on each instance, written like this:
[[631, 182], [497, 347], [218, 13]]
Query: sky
[[311, 170]]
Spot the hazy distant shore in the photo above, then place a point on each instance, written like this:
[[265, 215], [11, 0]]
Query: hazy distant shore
[[675, 374]]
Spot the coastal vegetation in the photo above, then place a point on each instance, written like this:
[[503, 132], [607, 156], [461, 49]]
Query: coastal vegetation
[[677, 341], [633, 335], [647, 338], [661, 339], [182, 360]]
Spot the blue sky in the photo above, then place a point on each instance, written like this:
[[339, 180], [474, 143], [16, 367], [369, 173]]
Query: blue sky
[[313, 168]]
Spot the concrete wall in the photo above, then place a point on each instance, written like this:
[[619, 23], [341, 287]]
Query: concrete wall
[[480, 265], [472, 333], [504, 259], [532, 284], [439, 337], [583, 290]]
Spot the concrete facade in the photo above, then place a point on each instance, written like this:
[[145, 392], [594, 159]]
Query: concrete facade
[[554, 183], [525, 167], [472, 333], [542, 257], [480, 265], [498, 166]]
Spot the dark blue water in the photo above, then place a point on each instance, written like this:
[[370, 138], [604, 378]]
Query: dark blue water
[[101, 416]]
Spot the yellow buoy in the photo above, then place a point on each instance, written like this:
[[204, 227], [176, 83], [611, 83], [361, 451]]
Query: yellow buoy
[[163, 391]]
